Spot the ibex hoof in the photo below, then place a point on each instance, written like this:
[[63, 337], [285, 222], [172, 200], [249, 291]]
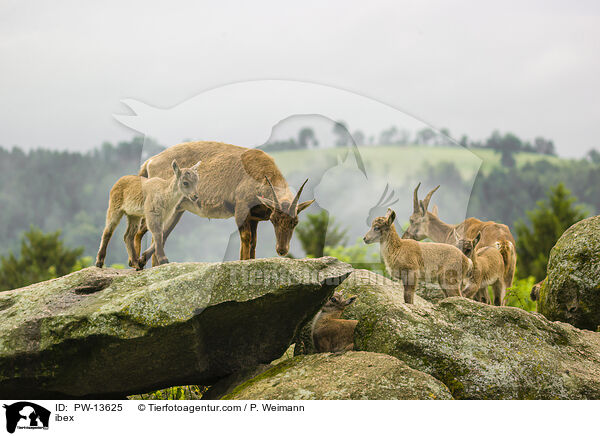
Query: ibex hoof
[[99, 264], [163, 260], [141, 263]]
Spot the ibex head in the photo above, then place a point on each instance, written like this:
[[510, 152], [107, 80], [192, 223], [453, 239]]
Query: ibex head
[[187, 180], [419, 220], [284, 216], [467, 246], [337, 303], [380, 226]]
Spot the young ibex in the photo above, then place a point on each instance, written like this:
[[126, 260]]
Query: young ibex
[[329, 332], [153, 199], [424, 224], [488, 268], [408, 260]]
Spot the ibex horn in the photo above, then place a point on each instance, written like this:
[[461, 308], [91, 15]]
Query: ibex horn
[[427, 199], [297, 198], [275, 199], [416, 199]]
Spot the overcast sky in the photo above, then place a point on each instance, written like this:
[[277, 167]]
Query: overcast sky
[[471, 66]]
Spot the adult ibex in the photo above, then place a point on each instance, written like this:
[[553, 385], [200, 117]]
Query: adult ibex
[[424, 224], [233, 181]]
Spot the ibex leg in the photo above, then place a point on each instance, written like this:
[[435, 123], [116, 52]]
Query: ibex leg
[[253, 236], [133, 223], [169, 226], [499, 291], [156, 228], [242, 220], [112, 221], [409, 281]]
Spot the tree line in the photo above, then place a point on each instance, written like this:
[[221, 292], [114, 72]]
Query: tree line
[[507, 144]]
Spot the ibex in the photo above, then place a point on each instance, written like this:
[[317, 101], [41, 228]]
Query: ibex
[[329, 332], [153, 199], [424, 224], [234, 181], [488, 268], [409, 260], [535, 290]]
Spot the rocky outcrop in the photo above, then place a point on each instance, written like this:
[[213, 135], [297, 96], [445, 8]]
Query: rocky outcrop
[[348, 376], [478, 351], [571, 293], [109, 333]]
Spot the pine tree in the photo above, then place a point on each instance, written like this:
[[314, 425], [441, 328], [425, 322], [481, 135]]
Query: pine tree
[[43, 257], [317, 231], [548, 222]]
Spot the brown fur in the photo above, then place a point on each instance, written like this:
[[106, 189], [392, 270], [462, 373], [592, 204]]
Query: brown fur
[[330, 333], [424, 224], [409, 260], [233, 182], [153, 199], [488, 269]]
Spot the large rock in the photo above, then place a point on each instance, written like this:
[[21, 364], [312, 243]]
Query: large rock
[[571, 293], [478, 351], [108, 333], [348, 376]]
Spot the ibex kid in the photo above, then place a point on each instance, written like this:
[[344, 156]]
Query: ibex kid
[[488, 267], [153, 199], [407, 259], [329, 332]]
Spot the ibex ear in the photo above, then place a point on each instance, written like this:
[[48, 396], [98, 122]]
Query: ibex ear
[[267, 202], [304, 205], [390, 216], [435, 210], [477, 239], [195, 167], [176, 169]]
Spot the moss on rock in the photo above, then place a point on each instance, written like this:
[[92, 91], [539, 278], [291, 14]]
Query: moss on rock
[[571, 292], [478, 351], [348, 376], [102, 333]]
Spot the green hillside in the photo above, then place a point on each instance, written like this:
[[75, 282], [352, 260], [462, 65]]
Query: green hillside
[[382, 159]]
